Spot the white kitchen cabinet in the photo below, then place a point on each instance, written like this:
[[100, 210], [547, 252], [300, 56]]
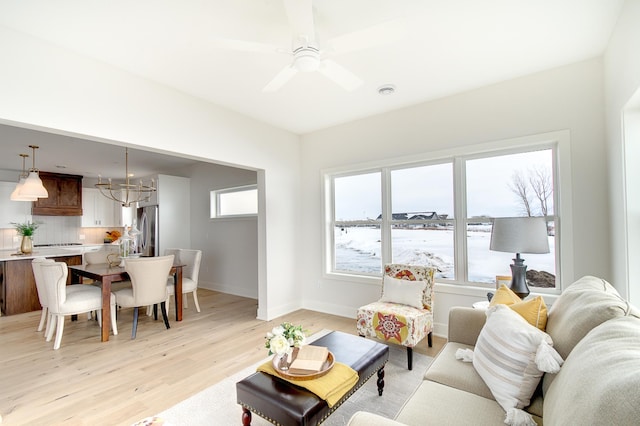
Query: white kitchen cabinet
[[98, 211], [12, 211]]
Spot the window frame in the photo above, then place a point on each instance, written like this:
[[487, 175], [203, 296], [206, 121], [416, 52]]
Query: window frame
[[214, 201], [558, 142]]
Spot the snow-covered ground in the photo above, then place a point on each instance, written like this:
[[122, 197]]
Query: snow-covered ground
[[358, 250]]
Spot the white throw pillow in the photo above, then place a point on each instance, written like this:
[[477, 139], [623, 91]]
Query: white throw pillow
[[402, 291], [511, 356]]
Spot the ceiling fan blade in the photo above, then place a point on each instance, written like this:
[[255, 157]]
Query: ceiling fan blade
[[241, 45], [340, 75], [280, 79], [300, 16], [376, 35]]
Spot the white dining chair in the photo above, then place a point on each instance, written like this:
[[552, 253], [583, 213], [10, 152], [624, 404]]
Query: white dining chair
[[148, 286], [61, 303], [191, 259], [37, 275]]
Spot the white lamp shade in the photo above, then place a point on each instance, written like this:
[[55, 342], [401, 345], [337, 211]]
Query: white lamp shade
[[33, 187], [16, 194], [520, 235]]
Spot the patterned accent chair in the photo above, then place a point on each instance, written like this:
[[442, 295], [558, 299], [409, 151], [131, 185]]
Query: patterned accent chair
[[400, 323]]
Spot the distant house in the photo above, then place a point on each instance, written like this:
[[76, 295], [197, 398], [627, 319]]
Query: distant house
[[425, 216], [416, 216]]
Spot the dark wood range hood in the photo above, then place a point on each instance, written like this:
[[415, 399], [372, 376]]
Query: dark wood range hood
[[65, 195]]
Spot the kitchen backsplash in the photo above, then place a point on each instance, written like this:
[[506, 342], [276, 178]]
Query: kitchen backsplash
[[56, 230]]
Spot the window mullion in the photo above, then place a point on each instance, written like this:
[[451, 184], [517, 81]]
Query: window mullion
[[460, 215], [385, 227]]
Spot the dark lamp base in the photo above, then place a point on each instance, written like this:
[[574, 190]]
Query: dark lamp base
[[519, 277]]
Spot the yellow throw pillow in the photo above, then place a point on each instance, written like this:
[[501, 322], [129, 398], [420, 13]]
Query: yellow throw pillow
[[533, 310], [504, 296]]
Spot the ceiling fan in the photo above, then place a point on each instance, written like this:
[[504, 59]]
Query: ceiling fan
[[307, 56]]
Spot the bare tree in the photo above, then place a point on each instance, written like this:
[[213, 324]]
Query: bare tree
[[540, 181], [534, 188], [520, 187]]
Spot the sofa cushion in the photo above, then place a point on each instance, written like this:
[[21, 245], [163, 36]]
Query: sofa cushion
[[436, 404], [449, 371], [583, 305], [600, 379], [511, 356]]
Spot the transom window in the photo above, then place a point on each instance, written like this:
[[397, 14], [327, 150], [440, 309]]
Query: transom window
[[237, 201], [439, 213]]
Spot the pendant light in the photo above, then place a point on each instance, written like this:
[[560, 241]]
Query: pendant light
[[15, 195], [33, 186]]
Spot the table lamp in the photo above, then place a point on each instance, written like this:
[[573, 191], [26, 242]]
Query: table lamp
[[519, 235]]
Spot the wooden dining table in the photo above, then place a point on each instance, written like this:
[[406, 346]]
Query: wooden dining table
[[107, 274]]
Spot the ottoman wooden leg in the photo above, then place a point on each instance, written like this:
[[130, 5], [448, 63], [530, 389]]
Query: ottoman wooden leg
[[246, 417], [380, 381]]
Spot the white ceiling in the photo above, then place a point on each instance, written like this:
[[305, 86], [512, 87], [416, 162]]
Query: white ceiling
[[445, 47]]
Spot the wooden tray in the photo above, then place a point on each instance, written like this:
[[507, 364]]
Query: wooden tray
[[326, 367]]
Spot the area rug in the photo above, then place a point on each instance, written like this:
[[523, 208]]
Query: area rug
[[217, 404]]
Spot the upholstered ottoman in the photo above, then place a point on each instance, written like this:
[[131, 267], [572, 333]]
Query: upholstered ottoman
[[285, 404]]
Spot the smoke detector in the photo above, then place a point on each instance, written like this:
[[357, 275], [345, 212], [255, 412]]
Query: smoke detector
[[387, 89]]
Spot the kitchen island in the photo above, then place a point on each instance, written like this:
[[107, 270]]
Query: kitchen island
[[18, 293]]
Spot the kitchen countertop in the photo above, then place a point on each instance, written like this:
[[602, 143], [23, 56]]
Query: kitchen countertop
[[48, 252]]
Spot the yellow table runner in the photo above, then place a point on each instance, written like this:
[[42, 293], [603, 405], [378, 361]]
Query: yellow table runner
[[331, 387]]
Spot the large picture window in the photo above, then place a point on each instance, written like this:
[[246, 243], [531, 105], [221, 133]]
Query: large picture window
[[440, 214]]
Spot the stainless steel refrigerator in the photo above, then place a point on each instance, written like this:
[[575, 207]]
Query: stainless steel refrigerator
[[148, 227]]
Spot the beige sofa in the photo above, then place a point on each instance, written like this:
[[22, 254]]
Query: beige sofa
[[595, 331]]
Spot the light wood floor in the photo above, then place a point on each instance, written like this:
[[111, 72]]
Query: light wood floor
[[86, 382]]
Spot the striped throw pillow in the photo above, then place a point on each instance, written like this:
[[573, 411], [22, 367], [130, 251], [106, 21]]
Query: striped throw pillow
[[511, 355]]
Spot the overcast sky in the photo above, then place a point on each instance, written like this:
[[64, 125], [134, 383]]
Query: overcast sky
[[430, 188]]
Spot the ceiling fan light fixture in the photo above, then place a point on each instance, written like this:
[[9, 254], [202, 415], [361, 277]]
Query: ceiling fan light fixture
[[306, 59]]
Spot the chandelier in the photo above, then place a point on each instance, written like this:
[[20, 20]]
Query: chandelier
[[126, 193], [29, 187]]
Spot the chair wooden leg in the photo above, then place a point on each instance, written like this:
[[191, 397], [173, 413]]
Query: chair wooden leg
[[410, 358], [195, 300], [155, 312], [135, 323], [60, 326], [163, 308], [429, 341], [50, 327], [43, 318], [114, 324]]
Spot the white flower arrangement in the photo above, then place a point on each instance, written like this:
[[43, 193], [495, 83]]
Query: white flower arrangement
[[282, 338]]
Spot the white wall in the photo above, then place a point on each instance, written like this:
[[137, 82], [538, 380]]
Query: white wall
[[46, 87], [622, 81], [229, 246], [570, 98]]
